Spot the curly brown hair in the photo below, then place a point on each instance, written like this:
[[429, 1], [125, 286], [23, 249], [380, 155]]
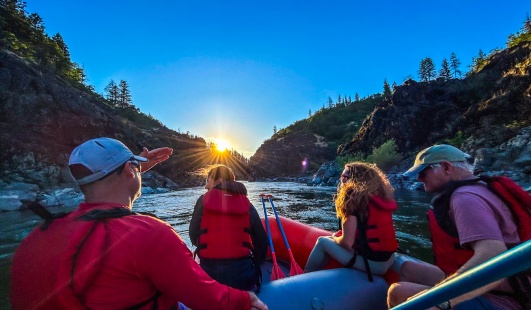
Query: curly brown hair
[[364, 181]]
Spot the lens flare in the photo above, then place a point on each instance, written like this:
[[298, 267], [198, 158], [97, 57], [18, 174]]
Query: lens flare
[[222, 145]]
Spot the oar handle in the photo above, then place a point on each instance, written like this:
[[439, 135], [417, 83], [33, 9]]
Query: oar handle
[[270, 197], [269, 237]]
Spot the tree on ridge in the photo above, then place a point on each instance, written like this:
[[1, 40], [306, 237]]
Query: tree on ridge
[[454, 65], [445, 70], [427, 69]]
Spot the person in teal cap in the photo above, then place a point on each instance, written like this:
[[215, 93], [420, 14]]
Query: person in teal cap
[[469, 225]]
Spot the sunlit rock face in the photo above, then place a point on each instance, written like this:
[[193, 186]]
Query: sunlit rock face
[[43, 117], [487, 113]]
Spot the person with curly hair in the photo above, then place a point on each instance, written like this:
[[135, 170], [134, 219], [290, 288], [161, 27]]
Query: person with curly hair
[[364, 204]]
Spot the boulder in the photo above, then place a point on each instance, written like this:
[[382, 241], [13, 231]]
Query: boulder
[[12, 196]]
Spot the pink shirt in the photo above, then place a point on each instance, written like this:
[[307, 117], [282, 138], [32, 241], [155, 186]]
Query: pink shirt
[[479, 215], [145, 256]]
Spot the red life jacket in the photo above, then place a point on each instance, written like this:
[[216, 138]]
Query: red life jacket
[[225, 226], [85, 253], [448, 254], [376, 238]]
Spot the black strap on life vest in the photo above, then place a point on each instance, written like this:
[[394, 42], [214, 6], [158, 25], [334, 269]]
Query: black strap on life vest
[[43, 213], [441, 205], [362, 248], [248, 245], [101, 217]]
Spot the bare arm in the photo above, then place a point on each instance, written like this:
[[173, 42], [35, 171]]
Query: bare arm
[[483, 251], [347, 238]]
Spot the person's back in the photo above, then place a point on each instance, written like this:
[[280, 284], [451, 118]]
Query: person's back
[[225, 227], [144, 257]]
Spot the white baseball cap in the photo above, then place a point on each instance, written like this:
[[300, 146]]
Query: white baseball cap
[[101, 156]]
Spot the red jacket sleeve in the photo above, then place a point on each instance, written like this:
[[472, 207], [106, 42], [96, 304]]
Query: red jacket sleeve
[[170, 266]]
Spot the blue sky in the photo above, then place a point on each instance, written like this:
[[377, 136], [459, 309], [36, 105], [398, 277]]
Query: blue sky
[[235, 69]]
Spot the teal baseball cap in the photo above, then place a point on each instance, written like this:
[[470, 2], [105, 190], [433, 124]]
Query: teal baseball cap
[[435, 155]]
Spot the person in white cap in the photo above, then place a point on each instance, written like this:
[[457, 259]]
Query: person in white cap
[[469, 224], [104, 256]]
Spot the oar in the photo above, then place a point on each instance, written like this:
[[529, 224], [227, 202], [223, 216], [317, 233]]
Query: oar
[[294, 267], [276, 273]]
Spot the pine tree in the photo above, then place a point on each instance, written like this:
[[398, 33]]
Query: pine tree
[[112, 93], [357, 97], [524, 35], [62, 62], [309, 113], [427, 69], [454, 66], [479, 61], [274, 129], [445, 70], [394, 85], [124, 97], [386, 89]]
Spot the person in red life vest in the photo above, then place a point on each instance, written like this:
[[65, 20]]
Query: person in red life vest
[[104, 256], [226, 229], [469, 225], [364, 204]]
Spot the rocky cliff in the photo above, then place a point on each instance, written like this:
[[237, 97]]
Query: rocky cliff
[[481, 112], [42, 118], [488, 107], [487, 113]]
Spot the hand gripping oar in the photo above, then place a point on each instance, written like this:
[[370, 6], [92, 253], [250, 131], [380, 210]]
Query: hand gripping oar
[[276, 273], [294, 267]]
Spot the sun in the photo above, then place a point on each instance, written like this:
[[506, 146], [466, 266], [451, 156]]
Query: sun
[[222, 145]]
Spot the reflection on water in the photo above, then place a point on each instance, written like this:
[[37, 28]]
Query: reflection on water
[[310, 205]]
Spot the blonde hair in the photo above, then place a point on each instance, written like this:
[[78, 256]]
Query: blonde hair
[[364, 181], [222, 172]]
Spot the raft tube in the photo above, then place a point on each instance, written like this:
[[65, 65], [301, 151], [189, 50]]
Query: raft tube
[[331, 288]]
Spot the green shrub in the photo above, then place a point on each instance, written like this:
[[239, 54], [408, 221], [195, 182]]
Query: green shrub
[[343, 160], [385, 157], [456, 141]]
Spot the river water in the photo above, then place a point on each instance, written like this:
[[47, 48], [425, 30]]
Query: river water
[[311, 205]]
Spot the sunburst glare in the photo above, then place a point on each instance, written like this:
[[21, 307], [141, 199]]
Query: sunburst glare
[[222, 145]]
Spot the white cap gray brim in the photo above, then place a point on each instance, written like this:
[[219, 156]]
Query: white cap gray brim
[[101, 156], [434, 155]]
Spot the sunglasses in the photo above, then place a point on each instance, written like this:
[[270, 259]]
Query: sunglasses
[[428, 167], [137, 165], [344, 177]]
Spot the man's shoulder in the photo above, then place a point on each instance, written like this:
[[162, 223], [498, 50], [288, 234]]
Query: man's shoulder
[[479, 188], [474, 195]]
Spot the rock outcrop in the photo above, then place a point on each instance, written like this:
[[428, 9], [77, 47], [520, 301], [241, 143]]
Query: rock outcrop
[[43, 117], [482, 113], [293, 154]]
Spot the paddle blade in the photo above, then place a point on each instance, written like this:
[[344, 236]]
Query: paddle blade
[[276, 272], [294, 268]]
